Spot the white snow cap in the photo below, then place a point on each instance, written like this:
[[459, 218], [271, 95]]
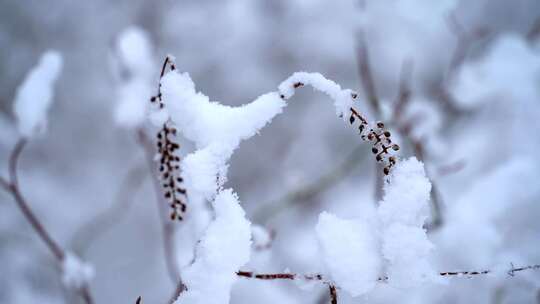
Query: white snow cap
[[134, 52], [76, 273], [350, 252], [402, 213], [342, 98], [224, 248], [34, 96], [355, 251], [216, 129], [134, 49]]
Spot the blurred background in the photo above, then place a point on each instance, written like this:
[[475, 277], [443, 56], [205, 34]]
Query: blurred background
[[458, 82]]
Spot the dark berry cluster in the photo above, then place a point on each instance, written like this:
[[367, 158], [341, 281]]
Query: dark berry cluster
[[169, 170], [169, 162], [379, 137]]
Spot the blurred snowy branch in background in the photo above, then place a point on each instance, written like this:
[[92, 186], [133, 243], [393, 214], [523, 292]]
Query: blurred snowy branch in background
[[455, 82]]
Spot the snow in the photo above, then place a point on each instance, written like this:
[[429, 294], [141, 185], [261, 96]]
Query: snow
[[356, 251], [134, 52], [342, 98], [407, 251], [76, 273], [224, 248], [216, 129], [261, 237], [34, 96], [350, 252], [402, 213], [406, 195], [494, 75]]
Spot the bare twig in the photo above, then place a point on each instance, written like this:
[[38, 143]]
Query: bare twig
[[167, 225], [12, 186], [333, 288], [333, 294], [14, 161]]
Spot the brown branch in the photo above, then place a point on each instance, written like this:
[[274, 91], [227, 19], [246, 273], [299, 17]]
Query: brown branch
[[333, 294], [333, 288], [319, 277], [12, 186], [14, 161], [167, 226]]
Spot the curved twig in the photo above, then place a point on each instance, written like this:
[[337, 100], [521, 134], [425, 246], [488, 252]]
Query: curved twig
[[12, 186]]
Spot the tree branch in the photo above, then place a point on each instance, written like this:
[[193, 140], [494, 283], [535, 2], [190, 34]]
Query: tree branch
[[333, 288], [13, 188], [167, 226]]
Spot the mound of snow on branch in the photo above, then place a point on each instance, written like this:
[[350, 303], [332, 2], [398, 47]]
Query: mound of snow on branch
[[34, 96]]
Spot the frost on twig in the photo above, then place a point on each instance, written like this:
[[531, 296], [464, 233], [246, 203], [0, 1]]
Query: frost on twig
[[34, 96], [76, 274]]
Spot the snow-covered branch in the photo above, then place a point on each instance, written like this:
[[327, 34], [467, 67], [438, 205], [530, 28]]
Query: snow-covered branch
[[32, 101]]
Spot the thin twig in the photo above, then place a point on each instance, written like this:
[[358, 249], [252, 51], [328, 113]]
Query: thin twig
[[333, 294], [14, 160], [12, 186], [319, 277], [166, 225], [333, 288]]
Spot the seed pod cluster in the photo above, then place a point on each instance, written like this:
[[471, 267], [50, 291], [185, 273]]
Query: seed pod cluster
[[169, 171], [380, 138], [169, 162]]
